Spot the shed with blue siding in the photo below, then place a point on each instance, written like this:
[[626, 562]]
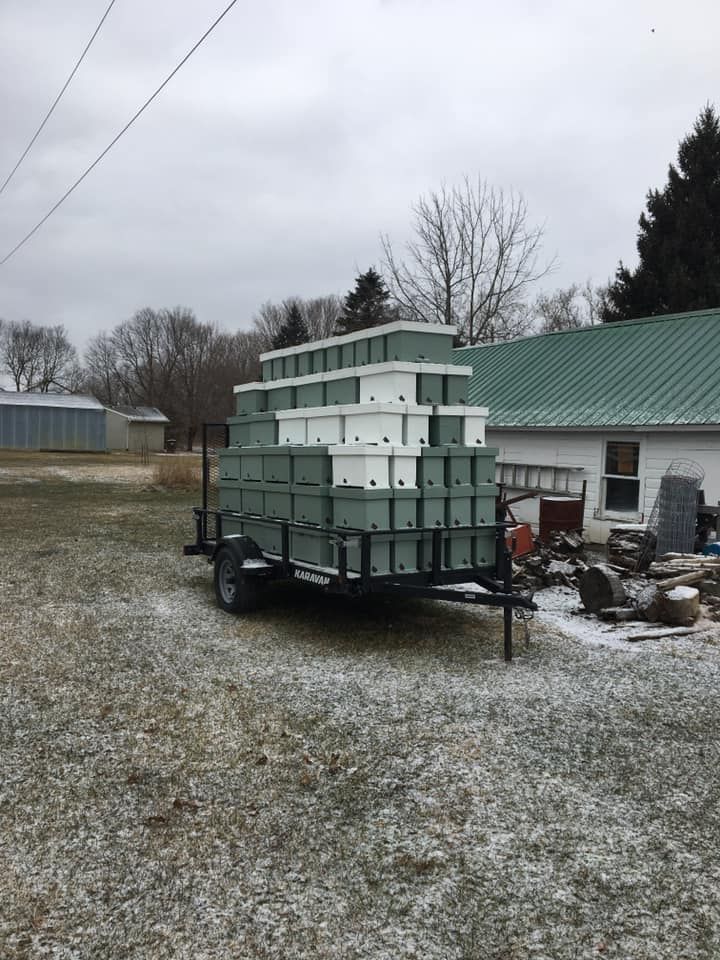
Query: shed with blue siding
[[51, 421]]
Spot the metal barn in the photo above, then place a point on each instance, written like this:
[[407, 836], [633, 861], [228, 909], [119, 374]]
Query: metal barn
[[51, 421]]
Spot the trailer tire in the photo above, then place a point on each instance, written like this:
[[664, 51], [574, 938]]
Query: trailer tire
[[234, 591]]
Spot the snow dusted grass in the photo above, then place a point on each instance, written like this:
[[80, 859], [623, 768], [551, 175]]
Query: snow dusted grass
[[328, 779]]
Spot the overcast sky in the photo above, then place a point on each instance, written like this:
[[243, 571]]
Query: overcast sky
[[299, 131]]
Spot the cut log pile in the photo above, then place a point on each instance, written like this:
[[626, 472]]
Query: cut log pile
[[624, 545], [673, 591], [558, 562], [675, 586]]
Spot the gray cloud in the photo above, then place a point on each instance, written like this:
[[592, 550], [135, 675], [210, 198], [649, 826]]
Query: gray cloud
[[299, 131]]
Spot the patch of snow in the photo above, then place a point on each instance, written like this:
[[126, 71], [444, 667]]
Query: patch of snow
[[682, 593]]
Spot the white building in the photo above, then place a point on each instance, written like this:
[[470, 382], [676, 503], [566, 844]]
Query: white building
[[609, 406], [136, 428]]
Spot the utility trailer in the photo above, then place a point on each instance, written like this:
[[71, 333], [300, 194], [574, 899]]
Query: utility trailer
[[242, 569]]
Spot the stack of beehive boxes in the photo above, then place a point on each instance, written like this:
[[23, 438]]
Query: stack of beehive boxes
[[366, 431]]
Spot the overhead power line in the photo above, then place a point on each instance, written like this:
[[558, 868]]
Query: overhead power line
[[57, 99], [112, 143]]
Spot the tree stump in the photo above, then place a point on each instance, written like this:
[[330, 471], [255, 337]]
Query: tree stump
[[601, 588], [680, 606]]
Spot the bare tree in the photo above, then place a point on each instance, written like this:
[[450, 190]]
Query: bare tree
[[101, 376], [36, 357], [20, 353], [320, 314], [268, 321], [58, 361], [471, 262], [568, 308], [145, 356]]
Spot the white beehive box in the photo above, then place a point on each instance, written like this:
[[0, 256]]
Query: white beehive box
[[473, 420], [361, 466], [403, 467], [292, 426], [388, 383], [474, 426], [324, 425], [380, 423], [416, 427]]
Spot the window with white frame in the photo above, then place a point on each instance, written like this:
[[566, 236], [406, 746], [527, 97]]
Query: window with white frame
[[621, 477]]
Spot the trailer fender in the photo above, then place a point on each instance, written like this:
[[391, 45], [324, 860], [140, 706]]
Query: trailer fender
[[244, 548]]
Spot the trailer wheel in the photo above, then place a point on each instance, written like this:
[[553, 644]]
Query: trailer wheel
[[234, 592]]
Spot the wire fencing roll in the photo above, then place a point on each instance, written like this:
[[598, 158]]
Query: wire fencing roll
[[672, 523]]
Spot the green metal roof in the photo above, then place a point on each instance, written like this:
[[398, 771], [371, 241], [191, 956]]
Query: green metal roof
[[656, 371]]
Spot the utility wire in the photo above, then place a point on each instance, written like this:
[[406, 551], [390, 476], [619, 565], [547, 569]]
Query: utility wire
[[112, 143], [57, 98]]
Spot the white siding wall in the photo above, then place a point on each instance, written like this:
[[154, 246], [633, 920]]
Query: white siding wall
[[117, 432], [661, 448], [151, 435], [586, 449]]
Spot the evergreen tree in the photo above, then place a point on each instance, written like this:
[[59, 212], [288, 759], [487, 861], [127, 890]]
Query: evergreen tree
[[293, 330], [679, 237], [366, 305]]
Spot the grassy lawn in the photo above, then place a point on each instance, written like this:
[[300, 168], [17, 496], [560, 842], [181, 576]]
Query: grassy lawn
[[326, 778]]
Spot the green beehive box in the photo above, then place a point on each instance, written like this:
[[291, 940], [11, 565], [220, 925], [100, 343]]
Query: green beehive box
[[230, 525], [262, 430], [311, 546], [412, 345], [281, 398], [253, 429], [312, 505], [290, 366], [276, 465], [250, 401], [377, 349], [251, 465], [455, 389], [431, 507], [266, 367], [404, 553], [484, 548], [431, 467], [278, 502], [458, 466], [238, 431], [361, 509], [342, 390], [347, 355], [277, 368], [484, 503], [445, 430], [267, 536], [311, 465], [404, 509], [332, 357], [484, 465], [253, 499], [362, 352], [318, 361], [229, 464], [459, 506], [230, 497], [379, 554], [458, 549], [304, 364], [430, 388], [425, 552], [310, 395]]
